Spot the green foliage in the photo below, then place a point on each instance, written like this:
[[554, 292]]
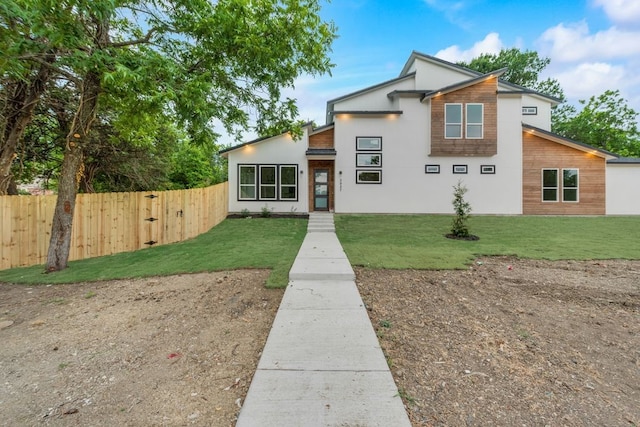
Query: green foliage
[[605, 121], [415, 241], [191, 167], [232, 244], [523, 68], [462, 209]]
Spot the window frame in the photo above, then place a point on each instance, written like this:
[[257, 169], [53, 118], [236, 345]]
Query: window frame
[[460, 169], [258, 184], [529, 111], [575, 188], [474, 124], [254, 185], [261, 185], [370, 155], [281, 185], [447, 123], [488, 169], [373, 171], [556, 187], [432, 169], [362, 139]]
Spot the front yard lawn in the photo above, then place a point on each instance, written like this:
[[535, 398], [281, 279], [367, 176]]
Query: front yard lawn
[[418, 242]]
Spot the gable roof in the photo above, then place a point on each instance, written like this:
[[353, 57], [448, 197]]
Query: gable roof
[[554, 137], [513, 88]]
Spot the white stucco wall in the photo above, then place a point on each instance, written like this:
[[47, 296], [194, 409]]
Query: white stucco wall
[[406, 188], [376, 99], [623, 191], [541, 120], [278, 150]]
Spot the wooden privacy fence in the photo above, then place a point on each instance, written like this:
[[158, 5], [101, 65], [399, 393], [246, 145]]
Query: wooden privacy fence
[[108, 223]]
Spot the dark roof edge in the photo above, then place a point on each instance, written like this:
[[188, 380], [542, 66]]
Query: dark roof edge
[[370, 88], [624, 161], [568, 140], [463, 84], [366, 112]]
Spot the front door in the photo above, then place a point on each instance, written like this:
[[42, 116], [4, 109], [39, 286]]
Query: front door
[[321, 189]]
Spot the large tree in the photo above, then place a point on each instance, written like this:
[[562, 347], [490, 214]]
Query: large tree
[[523, 68], [195, 60], [605, 121]]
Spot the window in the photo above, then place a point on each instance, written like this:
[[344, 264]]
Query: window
[[369, 159], [368, 176], [488, 169], [368, 143], [549, 185], [453, 120], [530, 111], [569, 185], [474, 121], [288, 183], [267, 182], [247, 182], [432, 169], [459, 168]]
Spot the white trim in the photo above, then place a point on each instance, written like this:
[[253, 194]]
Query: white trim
[[467, 123], [557, 186], [447, 123], [294, 185], [577, 187], [254, 185]]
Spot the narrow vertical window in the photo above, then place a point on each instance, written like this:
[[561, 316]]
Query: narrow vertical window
[[549, 185], [569, 185], [247, 182], [453, 120], [288, 183], [475, 114], [267, 182]]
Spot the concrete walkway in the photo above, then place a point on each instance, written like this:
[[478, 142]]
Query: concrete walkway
[[322, 364]]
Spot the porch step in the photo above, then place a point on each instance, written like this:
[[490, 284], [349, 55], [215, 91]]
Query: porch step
[[320, 223]]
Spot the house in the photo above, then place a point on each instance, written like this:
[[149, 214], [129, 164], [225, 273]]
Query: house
[[400, 146]]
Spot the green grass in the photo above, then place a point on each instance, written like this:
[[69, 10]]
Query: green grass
[[235, 243], [417, 241]]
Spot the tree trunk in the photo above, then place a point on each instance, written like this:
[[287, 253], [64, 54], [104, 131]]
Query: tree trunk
[[60, 243], [18, 111]]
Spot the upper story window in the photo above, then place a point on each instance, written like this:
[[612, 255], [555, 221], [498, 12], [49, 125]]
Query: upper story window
[[473, 118], [453, 120], [529, 111], [475, 114]]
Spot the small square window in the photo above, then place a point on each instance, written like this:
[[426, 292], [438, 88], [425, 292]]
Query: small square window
[[368, 176], [459, 168], [488, 169], [530, 111], [432, 169]]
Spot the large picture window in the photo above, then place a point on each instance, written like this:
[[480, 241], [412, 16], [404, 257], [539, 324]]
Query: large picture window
[[267, 182], [453, 120]]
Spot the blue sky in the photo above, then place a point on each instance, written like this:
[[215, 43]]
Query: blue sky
[[594, 45]]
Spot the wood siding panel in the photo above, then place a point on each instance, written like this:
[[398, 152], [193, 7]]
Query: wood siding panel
[[539, 153], [483, 93], [322, 139]]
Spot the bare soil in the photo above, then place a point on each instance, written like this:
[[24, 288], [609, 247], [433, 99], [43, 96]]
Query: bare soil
[[506, 342], [511, 342]]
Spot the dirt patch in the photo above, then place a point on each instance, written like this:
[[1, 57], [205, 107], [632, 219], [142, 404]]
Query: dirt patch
[[511, 342], [170, 351], [506, 342]]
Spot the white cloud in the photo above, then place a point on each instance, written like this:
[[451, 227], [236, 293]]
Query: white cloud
[[490, 44], [591, 78], [621, 12], [573, 43]]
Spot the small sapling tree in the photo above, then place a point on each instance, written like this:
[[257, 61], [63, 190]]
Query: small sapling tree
[[462, 209]]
